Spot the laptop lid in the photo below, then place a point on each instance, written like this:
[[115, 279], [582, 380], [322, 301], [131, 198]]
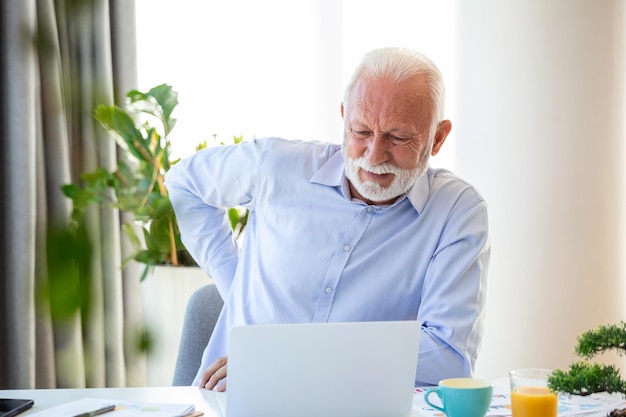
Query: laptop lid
[[322, 369]]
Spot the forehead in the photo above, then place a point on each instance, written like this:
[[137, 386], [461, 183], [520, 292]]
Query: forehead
[[383, 101]]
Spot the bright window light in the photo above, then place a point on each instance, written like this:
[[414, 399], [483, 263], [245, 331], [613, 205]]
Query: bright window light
[[277, 67]]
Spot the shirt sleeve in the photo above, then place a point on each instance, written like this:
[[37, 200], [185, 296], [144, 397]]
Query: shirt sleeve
[[454, 296], [201, 188]]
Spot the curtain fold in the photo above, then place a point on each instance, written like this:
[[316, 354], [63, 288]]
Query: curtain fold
[[124, 69], [52, 140], [18, 182], [62, 311]]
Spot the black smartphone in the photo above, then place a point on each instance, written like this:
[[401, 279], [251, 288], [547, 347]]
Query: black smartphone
[[10, 407]]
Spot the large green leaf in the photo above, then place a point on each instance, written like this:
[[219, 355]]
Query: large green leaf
[[160, 102], [168, 100], [70, 190], [133, 238], [149, 256], [119, 123], [98, 178], [160, 226], [68, 287]]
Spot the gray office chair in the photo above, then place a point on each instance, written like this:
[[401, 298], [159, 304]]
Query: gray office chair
[[203, 309]]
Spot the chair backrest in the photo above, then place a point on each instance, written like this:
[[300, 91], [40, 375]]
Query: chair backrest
[[203, 309]]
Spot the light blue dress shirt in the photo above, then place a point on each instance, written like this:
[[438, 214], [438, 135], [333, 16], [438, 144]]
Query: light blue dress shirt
[[312, 254]]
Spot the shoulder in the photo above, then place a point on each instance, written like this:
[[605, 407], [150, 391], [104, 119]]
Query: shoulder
[[311, 154], [449, 189], [297, 147], [441, 179]]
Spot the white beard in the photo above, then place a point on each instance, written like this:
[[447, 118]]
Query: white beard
[[403, 180]]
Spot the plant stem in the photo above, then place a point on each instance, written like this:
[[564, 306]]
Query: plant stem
[[173, 244]]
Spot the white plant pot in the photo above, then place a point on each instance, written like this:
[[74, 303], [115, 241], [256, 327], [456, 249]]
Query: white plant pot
[[164, 294]]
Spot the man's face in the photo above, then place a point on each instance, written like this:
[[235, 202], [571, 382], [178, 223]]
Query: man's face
[[387, 137]]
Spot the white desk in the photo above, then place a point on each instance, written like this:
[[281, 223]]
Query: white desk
[[203, 399]]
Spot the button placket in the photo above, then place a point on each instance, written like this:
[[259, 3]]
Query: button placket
[[339, 262]]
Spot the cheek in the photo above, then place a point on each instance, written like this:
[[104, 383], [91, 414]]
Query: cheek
[[354, 149], [409, 157]]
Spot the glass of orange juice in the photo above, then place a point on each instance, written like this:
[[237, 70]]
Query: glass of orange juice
[[530, 395]]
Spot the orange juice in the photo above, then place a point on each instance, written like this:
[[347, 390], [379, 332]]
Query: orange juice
[[533, 402]]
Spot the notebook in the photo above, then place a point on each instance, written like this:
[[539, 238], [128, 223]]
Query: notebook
[[322, 369]]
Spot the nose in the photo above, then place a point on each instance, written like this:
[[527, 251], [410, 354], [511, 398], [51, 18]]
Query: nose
[[378, 149]]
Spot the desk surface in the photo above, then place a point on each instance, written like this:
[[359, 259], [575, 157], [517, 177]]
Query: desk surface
[[205, 400], [212, 403]]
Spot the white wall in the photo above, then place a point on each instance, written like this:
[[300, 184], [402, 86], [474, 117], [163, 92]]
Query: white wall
[[276, 67], [540, 130]]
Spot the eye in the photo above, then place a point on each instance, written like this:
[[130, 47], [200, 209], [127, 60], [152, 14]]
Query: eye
[[399, 141], [361, 134]]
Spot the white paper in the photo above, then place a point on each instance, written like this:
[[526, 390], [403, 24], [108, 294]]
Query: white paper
[[123, 408]]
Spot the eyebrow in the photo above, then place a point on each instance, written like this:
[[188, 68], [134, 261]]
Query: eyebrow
[[360, 124], [393, 130]]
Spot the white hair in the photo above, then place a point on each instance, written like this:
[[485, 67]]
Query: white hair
[[401, 64]]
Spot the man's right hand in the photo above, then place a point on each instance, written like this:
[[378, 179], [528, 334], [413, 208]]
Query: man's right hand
[[212, 376]]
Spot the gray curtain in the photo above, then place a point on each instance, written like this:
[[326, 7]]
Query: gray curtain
[[67, 313]]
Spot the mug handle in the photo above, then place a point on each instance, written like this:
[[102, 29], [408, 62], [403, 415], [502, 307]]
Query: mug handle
[[434, 390]]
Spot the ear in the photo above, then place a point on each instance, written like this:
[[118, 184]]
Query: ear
[[443, 129], [342, 109]]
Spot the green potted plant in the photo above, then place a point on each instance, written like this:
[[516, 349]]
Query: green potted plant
[[136, 186], [584, 377]]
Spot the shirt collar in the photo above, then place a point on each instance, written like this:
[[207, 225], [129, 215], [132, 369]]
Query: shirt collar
[[332, 174], [419, 192]]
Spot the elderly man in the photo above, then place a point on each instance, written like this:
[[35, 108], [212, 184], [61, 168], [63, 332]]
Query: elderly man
[[361, 232]]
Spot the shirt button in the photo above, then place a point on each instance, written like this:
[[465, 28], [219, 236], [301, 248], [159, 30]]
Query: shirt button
[[329, 290], [370, 209], [346, 248]]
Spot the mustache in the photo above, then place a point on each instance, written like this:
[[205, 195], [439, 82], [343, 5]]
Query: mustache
[[384, 168]]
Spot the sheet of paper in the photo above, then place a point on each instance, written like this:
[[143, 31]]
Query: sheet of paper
[[123, 408], [594, 405]]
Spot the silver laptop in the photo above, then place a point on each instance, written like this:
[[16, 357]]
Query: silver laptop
[[322, 370]]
